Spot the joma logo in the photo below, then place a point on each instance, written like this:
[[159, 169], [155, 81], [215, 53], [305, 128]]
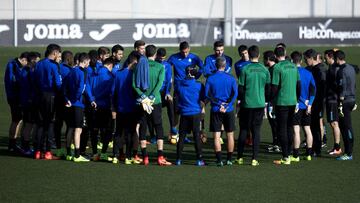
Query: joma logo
[[52, 31]]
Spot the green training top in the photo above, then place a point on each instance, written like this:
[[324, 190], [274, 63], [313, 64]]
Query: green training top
[[254, 77], [156, 79], [285, 75]]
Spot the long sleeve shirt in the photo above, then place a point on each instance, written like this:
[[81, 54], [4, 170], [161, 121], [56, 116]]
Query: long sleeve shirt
[[221, 88]]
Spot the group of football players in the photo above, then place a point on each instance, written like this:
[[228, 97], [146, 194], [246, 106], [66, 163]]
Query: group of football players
[[99, 95]]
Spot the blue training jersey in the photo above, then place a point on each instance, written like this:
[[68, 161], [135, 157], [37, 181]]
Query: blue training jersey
[[168, 77], [75, 87], [308, 88], [64, 71], [99, 88], [190, 92], [179, 62], [221, 88], [47, 76], [11, 80], [27, 89], [117, 66], [210, 65], [124, 97]]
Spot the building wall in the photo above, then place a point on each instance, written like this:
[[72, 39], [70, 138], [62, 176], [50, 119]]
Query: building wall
[[122, 9]]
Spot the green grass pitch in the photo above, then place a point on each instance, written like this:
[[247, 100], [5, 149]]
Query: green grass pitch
[[320, 180]]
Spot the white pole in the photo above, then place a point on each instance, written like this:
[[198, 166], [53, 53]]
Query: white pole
[[84, 9], [208, 22], [233, 24], [15, 22], [227, 21]]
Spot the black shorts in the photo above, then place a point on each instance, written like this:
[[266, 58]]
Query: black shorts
[[155, 118], [250, 117], [16, 112], [29, 114], [218, 119], [190, 124], [102, 118], [332, 112], [126, 121], [75, 117], [302, 118], [47, 107]]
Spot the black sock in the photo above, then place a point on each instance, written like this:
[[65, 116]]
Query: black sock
[[160, 153], [77, 153], [337, 146], [296, 153], [308, 151], [68, 151], [229, 156], [12, 143], [144, 152], [218, 156]]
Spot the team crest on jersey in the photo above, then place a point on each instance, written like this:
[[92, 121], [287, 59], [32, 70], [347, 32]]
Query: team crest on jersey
[[190, 60]]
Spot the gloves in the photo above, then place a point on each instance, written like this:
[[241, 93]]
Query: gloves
[[147, 107], [141, 99], [270, 109], [145, 102], [341, 113], [297, 107], [152, 99], [354, 108]]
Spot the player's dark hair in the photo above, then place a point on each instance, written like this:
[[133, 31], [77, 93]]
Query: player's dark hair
[[340, 55], [24, 55], [32, 56], [184, 45], [281, 44], [310, 53], [279, 51], [51, 48], [269, 56], [218, 44], [138, 43], [242, 48], [93, 58], [330, 53], [296, 57], [83, 56], [220, 62], [150, 50], [253, 51], [161, 52], [117, 48], [67, 58], [103, 51], [109, 61], [76, 57], [134, 55]]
